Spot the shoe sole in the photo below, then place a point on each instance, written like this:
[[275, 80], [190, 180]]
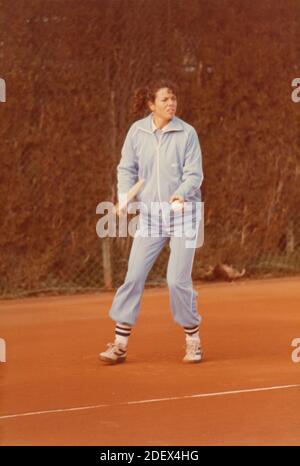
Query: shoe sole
[[112, 361], [193, 361]]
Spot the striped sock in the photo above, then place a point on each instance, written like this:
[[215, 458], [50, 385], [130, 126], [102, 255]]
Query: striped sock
[[123, 332], [192, 332]]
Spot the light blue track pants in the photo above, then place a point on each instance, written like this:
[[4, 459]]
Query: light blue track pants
[[183, 298]]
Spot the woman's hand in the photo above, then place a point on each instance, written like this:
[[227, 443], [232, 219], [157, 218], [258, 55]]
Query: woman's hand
[[120, 211], [177, 203], [177, 198]]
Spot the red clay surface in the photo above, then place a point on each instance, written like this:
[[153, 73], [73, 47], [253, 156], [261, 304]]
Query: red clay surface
[[52, 364]]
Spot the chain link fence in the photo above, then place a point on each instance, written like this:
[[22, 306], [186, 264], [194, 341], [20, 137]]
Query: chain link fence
[[47, 253]]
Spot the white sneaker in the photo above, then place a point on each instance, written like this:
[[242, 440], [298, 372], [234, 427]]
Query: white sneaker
[[193, 352], [114, 354]]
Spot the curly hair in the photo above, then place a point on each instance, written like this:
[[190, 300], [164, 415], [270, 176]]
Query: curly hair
[[143, 95]]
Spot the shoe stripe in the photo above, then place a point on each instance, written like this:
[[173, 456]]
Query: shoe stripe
[[120, 352]]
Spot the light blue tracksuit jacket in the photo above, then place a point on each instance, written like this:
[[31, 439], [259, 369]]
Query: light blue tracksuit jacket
[[170, 163]]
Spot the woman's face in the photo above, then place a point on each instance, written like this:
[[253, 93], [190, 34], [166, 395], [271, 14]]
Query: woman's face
[[165, 104]]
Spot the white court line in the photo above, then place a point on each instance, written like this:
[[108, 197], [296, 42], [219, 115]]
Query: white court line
[[156, 400]]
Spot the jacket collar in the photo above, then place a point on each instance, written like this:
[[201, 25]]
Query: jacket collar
[[146, 125]]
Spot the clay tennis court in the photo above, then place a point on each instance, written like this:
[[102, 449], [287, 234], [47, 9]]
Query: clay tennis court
[[55, 391]]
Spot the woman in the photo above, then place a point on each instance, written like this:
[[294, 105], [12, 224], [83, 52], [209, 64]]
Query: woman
[[163, 150]]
